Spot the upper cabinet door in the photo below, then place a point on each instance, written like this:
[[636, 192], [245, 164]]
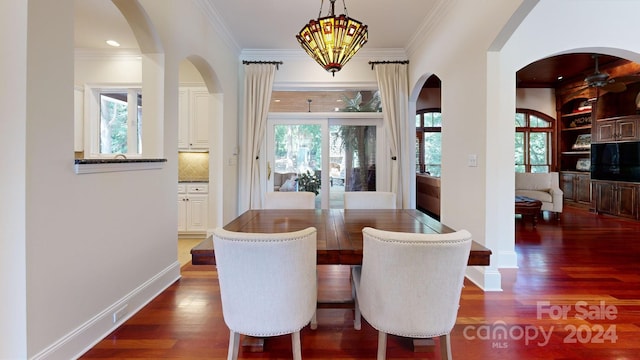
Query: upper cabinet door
[[200, 116], [194, 117], [183, 119]]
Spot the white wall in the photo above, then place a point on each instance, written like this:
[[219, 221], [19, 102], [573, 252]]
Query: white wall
[[81, 246], [217, 61], [461, 63], [13, 141], [543, 100], [92, 240]]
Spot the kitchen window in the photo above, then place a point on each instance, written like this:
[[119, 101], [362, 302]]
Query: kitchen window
[[114, 121]]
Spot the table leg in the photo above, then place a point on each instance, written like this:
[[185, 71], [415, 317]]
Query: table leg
[[252, 344], [423, 345]]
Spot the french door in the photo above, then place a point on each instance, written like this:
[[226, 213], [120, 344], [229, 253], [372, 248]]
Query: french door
[[327, 155]]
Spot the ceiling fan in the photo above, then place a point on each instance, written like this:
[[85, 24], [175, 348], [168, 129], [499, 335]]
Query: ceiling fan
[[601, 80]]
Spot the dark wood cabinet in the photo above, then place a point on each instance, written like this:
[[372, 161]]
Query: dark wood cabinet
[[616, 198], [623, 128], [428, 194], [607, 116], [576, 187]]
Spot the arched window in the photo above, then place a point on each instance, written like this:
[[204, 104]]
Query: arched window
[[534, 140], [429, 141]]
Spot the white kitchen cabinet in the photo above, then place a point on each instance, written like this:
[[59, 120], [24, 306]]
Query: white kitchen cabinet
[[193, 118], [193, 207]]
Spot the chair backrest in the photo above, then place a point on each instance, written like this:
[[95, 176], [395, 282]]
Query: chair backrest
[[411, 283], [267, 281], [537, 181], [369, 200], [289, 200]]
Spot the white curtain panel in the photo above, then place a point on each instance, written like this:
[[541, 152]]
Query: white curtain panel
[[258, 84], [394, 92]]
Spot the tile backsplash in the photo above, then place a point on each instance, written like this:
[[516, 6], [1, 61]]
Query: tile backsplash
[[193, 166]]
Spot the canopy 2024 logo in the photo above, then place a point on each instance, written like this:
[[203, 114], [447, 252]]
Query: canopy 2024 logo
[[500, 334]]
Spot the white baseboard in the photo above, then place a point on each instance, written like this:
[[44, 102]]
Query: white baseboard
[[507, 260], [83, 338], [487, 278]]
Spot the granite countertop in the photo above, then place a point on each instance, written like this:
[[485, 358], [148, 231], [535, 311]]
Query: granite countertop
[[193, 181], [116, 161], [91, 166]]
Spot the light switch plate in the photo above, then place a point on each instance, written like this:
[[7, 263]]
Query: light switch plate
[[472, 161]]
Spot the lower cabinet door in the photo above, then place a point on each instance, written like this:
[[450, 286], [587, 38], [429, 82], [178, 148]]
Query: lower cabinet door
[[583, 188], [182, 213], [198, 209], [605, 197], [627, 202]]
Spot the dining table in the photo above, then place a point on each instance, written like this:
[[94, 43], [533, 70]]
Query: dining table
[[339, 231], [339, 241]]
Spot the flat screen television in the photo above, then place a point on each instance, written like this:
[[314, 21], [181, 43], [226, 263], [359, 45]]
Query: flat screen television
[[616, 161]]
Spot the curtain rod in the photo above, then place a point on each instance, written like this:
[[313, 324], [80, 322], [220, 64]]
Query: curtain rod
[[276, 63], [372, 63]]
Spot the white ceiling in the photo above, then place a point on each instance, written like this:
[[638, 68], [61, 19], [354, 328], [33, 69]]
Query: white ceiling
[[268, 24]]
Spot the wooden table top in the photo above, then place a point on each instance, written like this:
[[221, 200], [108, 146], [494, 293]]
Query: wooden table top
[[339, 231]]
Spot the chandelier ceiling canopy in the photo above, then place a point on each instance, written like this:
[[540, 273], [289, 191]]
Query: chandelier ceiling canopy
[[332, 40]]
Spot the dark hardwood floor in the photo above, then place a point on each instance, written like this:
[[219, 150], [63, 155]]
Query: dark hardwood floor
[[585, 267]]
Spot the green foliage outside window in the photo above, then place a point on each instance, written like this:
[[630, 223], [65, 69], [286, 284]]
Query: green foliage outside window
[[533, 138], [113, 125]]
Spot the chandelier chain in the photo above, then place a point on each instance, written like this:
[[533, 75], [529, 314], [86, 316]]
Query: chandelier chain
[[320, 12], [344, 5]]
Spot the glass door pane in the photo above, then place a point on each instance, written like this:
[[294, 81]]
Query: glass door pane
[[295, 151], [297, 157], [352, 158]]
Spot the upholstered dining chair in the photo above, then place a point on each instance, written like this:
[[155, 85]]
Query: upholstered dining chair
[[369, 200], [289, 200], [267, 283], [420, 299]]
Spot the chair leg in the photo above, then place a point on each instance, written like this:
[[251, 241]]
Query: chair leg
[[382, 345], [234, 345], [314, 320], [357, 317], [357, 320], [295, 345], [445, 347]]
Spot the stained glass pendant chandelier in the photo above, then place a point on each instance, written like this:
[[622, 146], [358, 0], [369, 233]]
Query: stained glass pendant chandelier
[[332, 40]]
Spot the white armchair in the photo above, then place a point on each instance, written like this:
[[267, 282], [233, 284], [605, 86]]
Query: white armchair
[[541, 186], [369, 200], [421, 299], [267, 283]]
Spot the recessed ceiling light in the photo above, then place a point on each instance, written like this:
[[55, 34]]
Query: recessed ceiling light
[[113, 43], [560, 77]]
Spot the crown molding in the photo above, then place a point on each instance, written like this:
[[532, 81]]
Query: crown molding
[[297, 54], [218, 24], [324, 86], [429, 24]]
